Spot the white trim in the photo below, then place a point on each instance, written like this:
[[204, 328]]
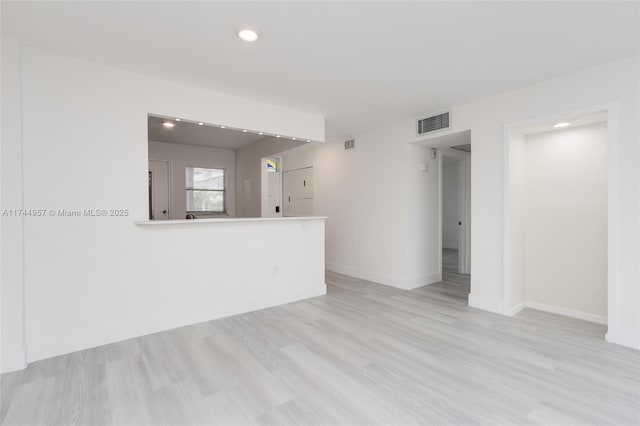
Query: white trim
[[423, 280], [89, 338], [517, 309], [506, 223], [227, 220], [624, 336], [558, 310], [485, 303], [440, 215], [461, 220], [613, 222], [613, 216], [464, 215], [464, 209], [403, 283], [169, 192], [13, 359]]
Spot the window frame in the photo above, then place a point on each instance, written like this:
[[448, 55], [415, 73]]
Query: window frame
[[224, 192]]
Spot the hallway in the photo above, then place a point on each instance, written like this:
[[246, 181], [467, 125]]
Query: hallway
[[449, 260]]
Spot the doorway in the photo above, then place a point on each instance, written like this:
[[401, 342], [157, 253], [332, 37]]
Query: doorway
[[455, 195], [455, 202], [271, 181], [557, 234], [449, 235], [451, 223], [158, 190]]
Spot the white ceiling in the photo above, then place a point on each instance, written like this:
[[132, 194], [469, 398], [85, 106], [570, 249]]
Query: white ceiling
[[362, 65], [192, 134], [447, 140], [575, 121]]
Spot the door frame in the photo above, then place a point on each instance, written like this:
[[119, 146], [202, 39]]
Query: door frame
[[264, 185], [464, 208], [464, 215], [613, 212], [169, 192]]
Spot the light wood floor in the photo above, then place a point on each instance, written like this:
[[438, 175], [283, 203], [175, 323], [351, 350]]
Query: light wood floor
[[363, 354], [449, 260]]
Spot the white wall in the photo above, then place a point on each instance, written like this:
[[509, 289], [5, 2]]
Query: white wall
[[383, 218], [450, 204], [12, 354], [423, 217], [566, 219], [365, 194], [84, 143], [516, 252], [181, 156], [487, 119], [248, 164]]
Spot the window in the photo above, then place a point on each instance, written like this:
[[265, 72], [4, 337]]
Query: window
[[272, 164], [205, 190]]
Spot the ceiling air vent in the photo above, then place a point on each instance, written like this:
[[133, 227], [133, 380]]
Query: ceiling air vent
[[433, 123], [350, 144]]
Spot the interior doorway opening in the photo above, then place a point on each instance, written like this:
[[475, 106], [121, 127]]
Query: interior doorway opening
[[158, 190], [451, 232], [455, 211], [271, 181], [556, 252], [454, 160]]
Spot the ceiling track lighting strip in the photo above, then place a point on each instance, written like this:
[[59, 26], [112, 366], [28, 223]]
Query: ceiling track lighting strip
[[169, 123]]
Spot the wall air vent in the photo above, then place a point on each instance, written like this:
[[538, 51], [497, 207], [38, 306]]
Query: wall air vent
[[350, 144], [432, 123]]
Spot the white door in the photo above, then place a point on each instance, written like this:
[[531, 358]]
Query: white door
[[297, 188], [158, 190], [274, 194], [464, 216]]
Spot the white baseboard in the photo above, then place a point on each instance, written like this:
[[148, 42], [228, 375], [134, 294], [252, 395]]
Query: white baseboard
[[484, 304], [403, 283], [385, 279], [516, 309], [13, 358], [85, 339], [417, 282], [625, 336], [567, 312]]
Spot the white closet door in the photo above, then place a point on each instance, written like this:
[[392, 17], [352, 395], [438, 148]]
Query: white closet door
[[297, 188]]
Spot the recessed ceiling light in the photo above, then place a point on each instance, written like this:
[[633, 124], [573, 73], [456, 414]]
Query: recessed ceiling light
[[562, 124], [244, 130], [248, 35], [178, 119], [168, 124], [260, 133], [293, 139], [308, 140], [200, 123], [223, 127], [277, 136]]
